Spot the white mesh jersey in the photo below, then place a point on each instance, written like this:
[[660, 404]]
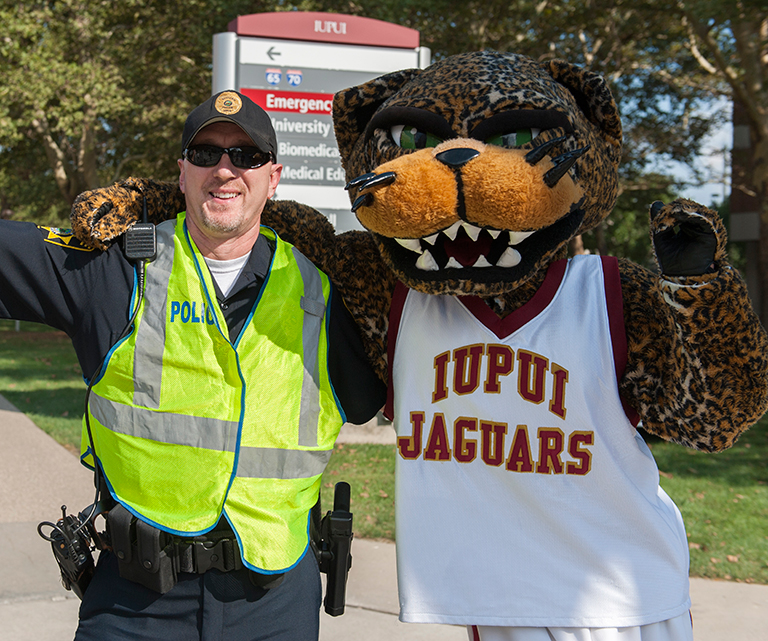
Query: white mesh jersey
[[524, 494]]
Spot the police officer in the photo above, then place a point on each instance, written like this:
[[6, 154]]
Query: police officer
[[212, 416]]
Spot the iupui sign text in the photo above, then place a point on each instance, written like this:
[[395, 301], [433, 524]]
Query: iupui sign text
[[330, 26]]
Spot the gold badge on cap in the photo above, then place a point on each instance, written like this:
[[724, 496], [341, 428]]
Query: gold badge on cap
[[228, 103]]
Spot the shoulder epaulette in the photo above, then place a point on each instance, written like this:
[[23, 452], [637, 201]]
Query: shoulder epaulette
[[62, 238]]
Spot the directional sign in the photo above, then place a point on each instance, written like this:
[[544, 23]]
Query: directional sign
[[292, 63], [263, 51]]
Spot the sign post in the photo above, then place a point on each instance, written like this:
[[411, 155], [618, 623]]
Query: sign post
[[291, 63]]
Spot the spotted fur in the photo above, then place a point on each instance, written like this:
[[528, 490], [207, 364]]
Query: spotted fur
[[697, 371], [460, 98], [99, 216], [696, 368]]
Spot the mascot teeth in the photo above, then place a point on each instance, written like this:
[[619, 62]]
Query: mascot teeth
[[517, 237], [414, 244], [452, 231], [509, 258], [445, 244], [472, 231], [427, 263]]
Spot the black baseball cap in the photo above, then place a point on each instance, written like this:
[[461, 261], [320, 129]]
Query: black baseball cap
[[232, 106]]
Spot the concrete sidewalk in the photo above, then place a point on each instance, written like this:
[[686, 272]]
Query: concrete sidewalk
[[39, 475]]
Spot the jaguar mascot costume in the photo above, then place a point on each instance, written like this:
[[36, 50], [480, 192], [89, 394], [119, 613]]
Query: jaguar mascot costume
[[526, 501]]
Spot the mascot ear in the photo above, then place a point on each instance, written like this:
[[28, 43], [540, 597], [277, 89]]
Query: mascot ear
[[353, 108], [593, 97]]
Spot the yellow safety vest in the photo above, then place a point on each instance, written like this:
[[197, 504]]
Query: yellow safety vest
[[188, 426]]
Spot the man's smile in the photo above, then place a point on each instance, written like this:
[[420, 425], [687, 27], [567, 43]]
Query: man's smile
[[225, 194]]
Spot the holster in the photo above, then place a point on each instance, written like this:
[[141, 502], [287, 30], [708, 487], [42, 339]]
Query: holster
[[331, 540], [144, 553]]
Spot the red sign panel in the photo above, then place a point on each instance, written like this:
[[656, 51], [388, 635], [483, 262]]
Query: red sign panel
[[291, 101], [317, 26]]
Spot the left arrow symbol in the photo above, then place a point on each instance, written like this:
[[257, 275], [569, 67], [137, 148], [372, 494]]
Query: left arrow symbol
[[272, 53]]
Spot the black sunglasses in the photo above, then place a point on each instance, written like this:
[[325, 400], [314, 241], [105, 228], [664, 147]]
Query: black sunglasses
[[241, 157]]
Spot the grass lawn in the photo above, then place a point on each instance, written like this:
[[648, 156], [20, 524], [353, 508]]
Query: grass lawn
[[724, 501], [370, 471], [39, 374], [723, 497]]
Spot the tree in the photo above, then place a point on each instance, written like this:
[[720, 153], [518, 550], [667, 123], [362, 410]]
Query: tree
[[633, 44], [94, 91], [729, 41], [666, 59]]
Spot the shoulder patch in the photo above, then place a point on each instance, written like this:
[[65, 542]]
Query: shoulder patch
[[62, 238]]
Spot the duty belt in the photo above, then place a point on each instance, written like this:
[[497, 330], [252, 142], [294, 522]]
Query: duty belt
[[200, 555], [154, 558]]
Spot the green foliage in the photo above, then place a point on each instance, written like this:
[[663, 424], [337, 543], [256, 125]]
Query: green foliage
[[96, 91], [642, 48], [28, 189], [737, 251], [626, 232]]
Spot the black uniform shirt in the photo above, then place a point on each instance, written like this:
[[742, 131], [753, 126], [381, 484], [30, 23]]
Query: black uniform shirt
[[47, 276]]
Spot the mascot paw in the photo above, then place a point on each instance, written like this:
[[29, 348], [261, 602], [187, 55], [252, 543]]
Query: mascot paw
[[99, 216], [688, 238]]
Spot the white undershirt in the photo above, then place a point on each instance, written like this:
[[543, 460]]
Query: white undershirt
[[225, 272]]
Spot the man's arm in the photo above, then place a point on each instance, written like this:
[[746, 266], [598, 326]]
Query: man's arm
[[47, 276], [359, 390]]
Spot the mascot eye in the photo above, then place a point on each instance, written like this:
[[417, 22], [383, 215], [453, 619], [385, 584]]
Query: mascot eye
[[514, 139], [409, 137]]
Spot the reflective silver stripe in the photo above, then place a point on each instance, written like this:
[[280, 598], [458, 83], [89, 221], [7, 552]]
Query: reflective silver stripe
[[313, 304], [272, 463], [193, 431], [210, 434], [150, 336]]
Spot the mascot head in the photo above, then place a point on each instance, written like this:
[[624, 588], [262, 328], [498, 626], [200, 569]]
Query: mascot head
[[473, 175]]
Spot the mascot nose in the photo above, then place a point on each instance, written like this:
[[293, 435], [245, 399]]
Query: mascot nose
[[457, 157]]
